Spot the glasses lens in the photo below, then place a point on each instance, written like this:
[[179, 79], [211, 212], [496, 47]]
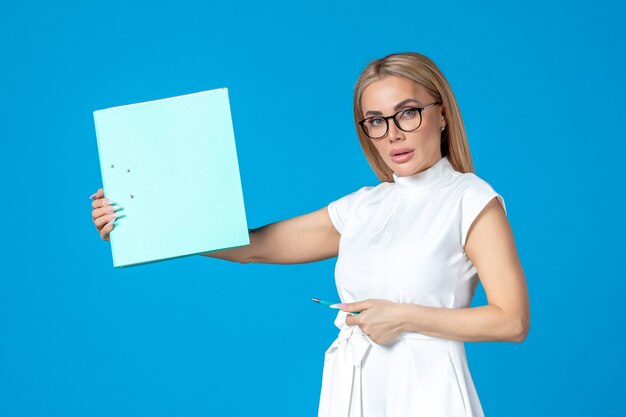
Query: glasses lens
[[409, 119], [375, 127]]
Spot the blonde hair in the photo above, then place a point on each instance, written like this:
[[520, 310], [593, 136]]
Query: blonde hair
[[420, 69]]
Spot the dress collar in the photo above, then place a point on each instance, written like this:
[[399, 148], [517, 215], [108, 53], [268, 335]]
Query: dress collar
[[426, 178]]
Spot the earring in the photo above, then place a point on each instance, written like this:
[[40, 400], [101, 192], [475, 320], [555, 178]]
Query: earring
[[441, 130]]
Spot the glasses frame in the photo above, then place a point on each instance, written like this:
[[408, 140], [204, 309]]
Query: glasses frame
[[395, 120]]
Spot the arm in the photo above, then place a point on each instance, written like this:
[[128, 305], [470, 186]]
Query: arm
[[491, 248], [307, 238]]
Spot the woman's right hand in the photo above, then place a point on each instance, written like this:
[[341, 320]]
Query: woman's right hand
[[103, 214]]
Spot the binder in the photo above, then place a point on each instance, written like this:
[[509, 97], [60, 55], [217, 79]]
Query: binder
[[172, 166]]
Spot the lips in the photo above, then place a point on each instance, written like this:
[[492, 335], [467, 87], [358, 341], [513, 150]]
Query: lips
[[400, 151]]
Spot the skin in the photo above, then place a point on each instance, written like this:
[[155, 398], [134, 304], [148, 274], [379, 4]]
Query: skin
[[103, 214], [311, 237], [382, 96], [490, 245]]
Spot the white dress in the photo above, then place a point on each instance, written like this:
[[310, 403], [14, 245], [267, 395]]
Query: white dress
[[404, 241]]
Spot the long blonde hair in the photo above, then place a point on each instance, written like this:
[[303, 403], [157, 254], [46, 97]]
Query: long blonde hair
[[422, 70]]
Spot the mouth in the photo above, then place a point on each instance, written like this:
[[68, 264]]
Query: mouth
[[401, 151], [399, 156]]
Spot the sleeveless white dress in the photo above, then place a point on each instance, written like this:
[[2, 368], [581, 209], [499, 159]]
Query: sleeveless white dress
[[404, 241]]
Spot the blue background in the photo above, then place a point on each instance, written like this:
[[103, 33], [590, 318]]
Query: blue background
[[540, 85]]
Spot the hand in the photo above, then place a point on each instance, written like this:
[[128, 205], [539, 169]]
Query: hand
[[380, 320], [103, 214]]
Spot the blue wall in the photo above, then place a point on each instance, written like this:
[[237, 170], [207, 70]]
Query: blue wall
[[541, 88]]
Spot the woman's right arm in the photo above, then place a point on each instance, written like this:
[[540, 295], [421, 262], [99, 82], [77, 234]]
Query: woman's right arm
[[310, 237]]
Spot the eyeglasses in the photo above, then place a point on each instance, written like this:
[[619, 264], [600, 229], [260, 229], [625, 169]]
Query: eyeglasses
[[410, 119]]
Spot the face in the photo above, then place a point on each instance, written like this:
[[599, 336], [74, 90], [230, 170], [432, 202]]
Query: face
[[382, 97]]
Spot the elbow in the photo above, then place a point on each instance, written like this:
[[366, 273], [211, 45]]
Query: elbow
[[519, 330]]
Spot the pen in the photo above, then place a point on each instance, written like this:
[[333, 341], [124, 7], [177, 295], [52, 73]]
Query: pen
[[328, 303]]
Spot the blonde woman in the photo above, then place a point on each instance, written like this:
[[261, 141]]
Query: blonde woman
[[411, 251]]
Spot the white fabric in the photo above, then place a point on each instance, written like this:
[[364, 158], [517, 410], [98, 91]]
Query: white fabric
[[404, 241]]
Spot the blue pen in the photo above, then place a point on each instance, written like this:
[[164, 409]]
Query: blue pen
[[328, 303]]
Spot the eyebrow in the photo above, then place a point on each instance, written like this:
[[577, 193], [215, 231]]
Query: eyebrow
[[402, 103]]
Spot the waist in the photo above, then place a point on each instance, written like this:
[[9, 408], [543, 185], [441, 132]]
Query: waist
[[346, 331]]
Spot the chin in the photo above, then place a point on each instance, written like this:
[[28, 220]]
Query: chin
[[409, 168], [403, 170]]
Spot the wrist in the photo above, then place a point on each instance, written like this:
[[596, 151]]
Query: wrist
[[408, 317]]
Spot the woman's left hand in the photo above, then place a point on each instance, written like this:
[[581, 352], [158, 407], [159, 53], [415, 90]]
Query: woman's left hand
[[381, 320]]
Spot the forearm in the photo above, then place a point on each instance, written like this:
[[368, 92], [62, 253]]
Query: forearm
[[242, 254], [310, 237], [472, 324], [267, 245]]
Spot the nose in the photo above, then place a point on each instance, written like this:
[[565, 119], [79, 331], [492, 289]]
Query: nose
[[394, 133]]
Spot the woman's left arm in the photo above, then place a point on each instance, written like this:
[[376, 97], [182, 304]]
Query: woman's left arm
[[506, 317]]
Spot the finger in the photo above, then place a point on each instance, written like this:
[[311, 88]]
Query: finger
[[106, 230], [351, 320], [349, 307], [102, 221], [358, 306], [101, 202], [97, 194], [103, 211]]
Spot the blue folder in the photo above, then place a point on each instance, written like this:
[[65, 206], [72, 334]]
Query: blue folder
[[172, 166]]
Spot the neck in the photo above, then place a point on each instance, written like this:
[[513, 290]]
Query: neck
[[426, 178]]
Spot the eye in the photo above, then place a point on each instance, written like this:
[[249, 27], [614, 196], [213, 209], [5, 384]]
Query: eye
[[377, 121], [409, 113]]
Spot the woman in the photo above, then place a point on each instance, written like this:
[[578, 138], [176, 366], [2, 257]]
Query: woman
[[410, 253]]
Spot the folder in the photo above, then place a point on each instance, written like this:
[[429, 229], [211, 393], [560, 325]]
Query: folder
[[171, 164]]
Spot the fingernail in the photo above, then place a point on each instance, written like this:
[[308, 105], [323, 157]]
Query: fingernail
[[337, 306], [92, 196]]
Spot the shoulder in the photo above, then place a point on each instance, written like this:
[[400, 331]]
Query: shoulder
[[474, 194], [470, 182], [468, 186], [341, 208], [367, 192]]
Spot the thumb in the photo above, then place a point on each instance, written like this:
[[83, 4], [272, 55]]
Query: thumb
[[356, 306]]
